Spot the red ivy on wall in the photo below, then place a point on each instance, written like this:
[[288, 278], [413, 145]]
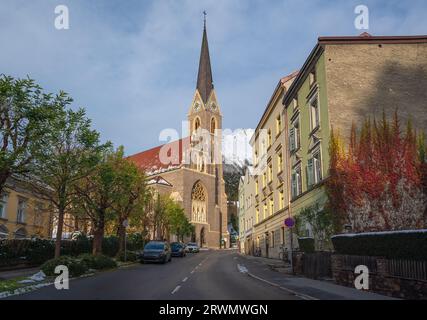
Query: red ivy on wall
[[379, 183]]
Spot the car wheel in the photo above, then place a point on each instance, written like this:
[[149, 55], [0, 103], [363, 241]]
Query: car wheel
[[170, 259]]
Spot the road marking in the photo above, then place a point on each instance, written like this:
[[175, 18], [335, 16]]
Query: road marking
[[176, 289], [242, 268], [192, 272], [185, 279]]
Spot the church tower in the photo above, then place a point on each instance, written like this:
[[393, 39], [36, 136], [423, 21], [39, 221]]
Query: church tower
[[205, 114], [205, 127]]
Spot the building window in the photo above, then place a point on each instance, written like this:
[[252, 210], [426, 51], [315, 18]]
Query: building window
[[257, 215], [198, 203], [265, 211], [270, 173], [295, 136], [213, 125], [296, 189], [314, 112], [279, 162], [271, 206], [270, 138], [256, 158], [256, 187], [196, 124], [264, 179], [295, 104], [281, 200], [38, 214], [4, 232], [22, 205], [21, 233], [3, 204], [312, 78], [314, 169], [278, 124]]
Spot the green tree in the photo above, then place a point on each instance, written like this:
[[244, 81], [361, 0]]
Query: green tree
[[25, 123], [178, 223], [70, 152], [132, 194], [96, 194]]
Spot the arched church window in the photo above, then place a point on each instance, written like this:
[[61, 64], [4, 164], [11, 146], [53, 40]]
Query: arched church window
[[199, 202], [196, 123], [213, 125]]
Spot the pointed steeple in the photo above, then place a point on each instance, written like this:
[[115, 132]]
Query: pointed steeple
[[204, 77]]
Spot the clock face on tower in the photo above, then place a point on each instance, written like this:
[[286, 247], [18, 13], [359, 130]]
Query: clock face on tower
[[197, 106], [213, 106]]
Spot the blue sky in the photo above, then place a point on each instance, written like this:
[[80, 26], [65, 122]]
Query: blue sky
[[133, 63]]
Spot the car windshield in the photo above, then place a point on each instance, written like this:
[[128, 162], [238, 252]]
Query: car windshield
[[176, 245], [155, 246], [192, 244]]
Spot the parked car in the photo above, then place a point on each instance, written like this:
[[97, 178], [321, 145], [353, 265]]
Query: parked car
[[178, 249], [156, 251], [193, 247]]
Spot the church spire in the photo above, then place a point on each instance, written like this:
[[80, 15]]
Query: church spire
[[204, 77]]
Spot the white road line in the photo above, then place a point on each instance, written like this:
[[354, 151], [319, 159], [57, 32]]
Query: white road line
[[185, 279], [176, 289], [192, 272], [242, 268]]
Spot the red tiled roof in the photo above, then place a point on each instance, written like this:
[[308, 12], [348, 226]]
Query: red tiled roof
[[149, 160]]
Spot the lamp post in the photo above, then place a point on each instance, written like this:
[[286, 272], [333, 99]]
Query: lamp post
[[126, 225]]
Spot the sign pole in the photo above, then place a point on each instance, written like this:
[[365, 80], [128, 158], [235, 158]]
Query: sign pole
[[125, 224], [290, 223]]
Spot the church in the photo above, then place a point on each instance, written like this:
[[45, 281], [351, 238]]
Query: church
[[190, 170]]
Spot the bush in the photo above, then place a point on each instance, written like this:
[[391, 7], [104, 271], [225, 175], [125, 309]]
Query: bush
[[130, 256], [75, 266], [409, 245], [31, 252], [110, 246], [306, 245], [98, 262]]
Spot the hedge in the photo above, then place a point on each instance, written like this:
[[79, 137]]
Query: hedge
[[76, 267], [97, 262], [33, 252], [406, 244], [306, 245]]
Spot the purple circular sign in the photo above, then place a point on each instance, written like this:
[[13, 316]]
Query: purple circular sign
[[289, 222]]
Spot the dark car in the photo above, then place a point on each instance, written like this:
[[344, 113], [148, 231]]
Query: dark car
[[156, 251], [178, 249]]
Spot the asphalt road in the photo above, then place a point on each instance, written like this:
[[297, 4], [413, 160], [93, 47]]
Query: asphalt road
[[203, 276]]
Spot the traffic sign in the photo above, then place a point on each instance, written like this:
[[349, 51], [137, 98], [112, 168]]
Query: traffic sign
[[289, 222]]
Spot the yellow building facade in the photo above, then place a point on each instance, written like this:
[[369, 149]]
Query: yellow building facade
[[23, 214]]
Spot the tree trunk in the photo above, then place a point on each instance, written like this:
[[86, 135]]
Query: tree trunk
[[98, 234], [61, 213]]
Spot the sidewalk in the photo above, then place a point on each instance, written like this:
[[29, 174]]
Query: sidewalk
[[309, 289]]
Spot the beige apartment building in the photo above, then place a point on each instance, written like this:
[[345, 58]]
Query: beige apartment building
[[23, 214], [270, 175], [246, 212]]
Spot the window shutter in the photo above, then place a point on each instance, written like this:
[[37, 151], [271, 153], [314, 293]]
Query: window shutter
[[310, 173]]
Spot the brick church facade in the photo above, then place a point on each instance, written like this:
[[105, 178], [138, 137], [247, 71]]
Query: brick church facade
[[190, 170]]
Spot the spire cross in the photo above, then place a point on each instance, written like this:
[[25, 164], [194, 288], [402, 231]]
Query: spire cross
[[204, 18]]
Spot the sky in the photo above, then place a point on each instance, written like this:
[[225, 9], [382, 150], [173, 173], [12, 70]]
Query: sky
[[133, 64]]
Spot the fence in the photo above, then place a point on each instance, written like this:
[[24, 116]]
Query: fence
[[416, 270], [317, 265]]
